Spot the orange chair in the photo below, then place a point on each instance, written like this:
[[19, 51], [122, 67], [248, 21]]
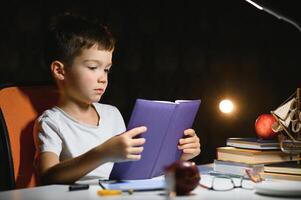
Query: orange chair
[[20, 106]]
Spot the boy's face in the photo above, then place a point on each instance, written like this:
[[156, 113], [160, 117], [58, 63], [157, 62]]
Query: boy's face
[[87, 79]]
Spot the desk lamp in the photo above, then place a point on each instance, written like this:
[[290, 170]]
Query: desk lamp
[[288, 114]]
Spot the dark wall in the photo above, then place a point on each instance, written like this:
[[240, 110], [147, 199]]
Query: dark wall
[[171, 50]]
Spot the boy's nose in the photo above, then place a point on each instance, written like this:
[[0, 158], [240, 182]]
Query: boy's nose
[[102, 78]]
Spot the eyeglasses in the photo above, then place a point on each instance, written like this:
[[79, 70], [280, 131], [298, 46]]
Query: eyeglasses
[[225, 183]]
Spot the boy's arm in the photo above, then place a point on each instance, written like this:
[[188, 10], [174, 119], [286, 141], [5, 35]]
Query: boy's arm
[[51, 170], [119, 148]]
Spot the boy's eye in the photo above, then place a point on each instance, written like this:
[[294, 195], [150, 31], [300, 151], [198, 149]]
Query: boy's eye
[[107, 70], [92, 67]]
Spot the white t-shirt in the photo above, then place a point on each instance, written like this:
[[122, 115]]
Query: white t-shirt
[[59, 133]]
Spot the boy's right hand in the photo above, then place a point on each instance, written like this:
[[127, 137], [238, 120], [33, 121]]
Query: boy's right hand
[[124, 147]]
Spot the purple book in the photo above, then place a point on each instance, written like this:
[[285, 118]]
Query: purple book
[[165, 122]]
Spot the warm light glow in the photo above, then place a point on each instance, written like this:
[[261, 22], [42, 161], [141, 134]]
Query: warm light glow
[[226, 106]]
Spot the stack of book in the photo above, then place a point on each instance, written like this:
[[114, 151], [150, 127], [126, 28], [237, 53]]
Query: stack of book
[[290, 170], [240, 154]]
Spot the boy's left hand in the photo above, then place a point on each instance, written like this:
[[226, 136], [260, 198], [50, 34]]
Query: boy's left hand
[[190, 145]]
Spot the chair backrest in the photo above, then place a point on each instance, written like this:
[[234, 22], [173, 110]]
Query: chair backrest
[[20, 106]]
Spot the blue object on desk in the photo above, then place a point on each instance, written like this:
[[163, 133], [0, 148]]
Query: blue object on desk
[[138, 185]]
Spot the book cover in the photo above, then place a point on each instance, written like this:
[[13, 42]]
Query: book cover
[[252, 156], [235, 168], [290, 167], [165, 122], [253, 143]]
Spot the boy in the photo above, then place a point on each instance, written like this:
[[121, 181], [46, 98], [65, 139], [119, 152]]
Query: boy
[[80, 138]]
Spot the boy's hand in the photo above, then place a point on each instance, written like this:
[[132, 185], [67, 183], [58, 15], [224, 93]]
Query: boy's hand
[[124, 147], [190, 145]]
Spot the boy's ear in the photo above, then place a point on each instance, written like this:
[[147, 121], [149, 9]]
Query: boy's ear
[[58, 70]]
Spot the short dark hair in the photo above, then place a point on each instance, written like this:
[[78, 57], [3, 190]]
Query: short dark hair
[[67, 35]]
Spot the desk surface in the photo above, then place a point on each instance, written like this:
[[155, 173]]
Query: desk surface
[[61, 192]]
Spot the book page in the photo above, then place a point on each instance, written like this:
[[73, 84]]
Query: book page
[[164, 101], [184, 101]]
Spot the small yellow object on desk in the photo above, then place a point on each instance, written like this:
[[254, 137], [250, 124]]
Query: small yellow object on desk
[[130, 191], [107, 192]]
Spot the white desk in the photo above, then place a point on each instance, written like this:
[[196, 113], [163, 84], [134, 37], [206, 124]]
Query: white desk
[[54, 192]]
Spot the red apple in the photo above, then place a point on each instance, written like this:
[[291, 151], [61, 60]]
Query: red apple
[[182, 177], [263, 126]]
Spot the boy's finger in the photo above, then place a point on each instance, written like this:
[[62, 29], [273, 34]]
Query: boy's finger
[[138, 141], [189, 146], [136, 150], [133, 157], [136, 131], [189, 140], [191, 151], [190, 132]]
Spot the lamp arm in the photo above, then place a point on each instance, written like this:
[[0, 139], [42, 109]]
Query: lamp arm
[[281, 17], [273, 13]]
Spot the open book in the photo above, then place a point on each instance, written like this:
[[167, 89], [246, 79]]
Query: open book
[[165, 122]]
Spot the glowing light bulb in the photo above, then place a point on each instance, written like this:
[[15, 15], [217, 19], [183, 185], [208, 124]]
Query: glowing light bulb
[[226, 106]]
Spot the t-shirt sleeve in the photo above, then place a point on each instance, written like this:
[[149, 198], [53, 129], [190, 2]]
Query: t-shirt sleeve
[[47, 136], [119, 125]]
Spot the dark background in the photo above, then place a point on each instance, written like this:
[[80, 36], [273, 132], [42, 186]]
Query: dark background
[[170, 50]]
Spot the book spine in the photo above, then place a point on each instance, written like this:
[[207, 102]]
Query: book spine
[[268, 176], [253, 159], [251, 146], [157, 168], [236, 170]]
